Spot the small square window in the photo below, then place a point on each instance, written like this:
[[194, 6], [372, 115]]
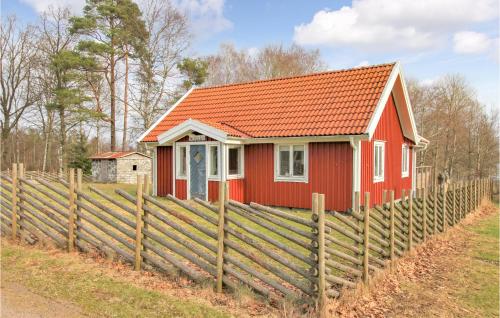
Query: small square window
[[134, 168], [290, 163]]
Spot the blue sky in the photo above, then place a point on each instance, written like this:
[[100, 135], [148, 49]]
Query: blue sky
[[430, 37]]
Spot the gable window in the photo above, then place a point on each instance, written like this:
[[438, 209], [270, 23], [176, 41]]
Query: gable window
[[378, 161], [181, 163], [235, 161], [213, 161], [405, 161], [290, 163], [134, 167]]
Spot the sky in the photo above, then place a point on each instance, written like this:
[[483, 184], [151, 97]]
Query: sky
[[430, 38]]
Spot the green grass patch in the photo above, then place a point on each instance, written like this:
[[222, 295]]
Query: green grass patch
[[67, 278]]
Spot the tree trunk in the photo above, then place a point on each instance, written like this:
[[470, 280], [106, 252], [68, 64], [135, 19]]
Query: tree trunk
[[62, 141], [125, 105], [112, 105]]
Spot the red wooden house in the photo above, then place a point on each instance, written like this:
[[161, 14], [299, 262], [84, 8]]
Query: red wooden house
[[277, 141]]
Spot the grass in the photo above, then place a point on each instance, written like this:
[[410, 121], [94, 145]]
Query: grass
[[109, 189], [65, 277], [481, 293]]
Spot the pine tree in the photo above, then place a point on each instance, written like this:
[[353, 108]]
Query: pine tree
[[109, 27], [79, 156]]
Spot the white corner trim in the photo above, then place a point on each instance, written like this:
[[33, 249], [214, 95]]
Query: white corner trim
[[188, 126], [159, 120], [356, 167], [384, 97]]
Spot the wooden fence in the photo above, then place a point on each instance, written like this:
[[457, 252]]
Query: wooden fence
[[275, 253]]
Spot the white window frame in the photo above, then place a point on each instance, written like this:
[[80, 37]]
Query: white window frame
[[241, 173], [405, 166], [210, 176], [381, 176], [291, 178], [178, 160]]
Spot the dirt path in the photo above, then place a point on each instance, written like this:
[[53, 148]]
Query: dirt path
[[453, 275], [16, 301]]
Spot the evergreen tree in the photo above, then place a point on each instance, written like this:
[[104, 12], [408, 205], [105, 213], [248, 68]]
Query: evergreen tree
[[109, 27], [79, 156]]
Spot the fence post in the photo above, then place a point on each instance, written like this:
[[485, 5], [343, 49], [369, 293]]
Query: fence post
[[454, 200], [71, 211], [434, 208], [20, 212], [14, 201], [145, 218], [423, 195], [445, 213], [391, 225], [366, 238], [79, 187], [138, 224], [220, 235], [410, 219], [359, 254], [321, 257]]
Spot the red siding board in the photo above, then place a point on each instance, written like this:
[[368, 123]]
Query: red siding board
[[389, 130], [181, 189], [164, 171], [213, 191], [330, 172]]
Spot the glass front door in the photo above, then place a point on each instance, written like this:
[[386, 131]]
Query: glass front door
[[198, 172]]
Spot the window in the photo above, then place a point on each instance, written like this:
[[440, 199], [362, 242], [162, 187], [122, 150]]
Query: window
[[235, 161], [405, 161], [378, 161], [213, 161], [134, 167], [181, 158], [290, 163]]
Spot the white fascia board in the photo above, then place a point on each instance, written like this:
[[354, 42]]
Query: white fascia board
[[386, 93], [188, 126], [165, 114], [408, 106], [305, 139]]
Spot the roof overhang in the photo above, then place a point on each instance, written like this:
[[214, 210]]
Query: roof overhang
[[190, 126], [396, 87]]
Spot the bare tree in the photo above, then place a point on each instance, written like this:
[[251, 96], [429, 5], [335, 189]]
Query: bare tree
[[169, 38], [230, 65], [17, 51], [463, 137]]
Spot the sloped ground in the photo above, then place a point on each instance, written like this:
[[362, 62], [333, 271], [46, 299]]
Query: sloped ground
[[47, 282], [453, 275]]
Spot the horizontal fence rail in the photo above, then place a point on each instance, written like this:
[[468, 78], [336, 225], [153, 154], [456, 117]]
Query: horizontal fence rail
[[302, 256]]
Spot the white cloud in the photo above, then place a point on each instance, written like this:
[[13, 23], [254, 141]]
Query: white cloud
[[429, 81], [389, 24], [76, 6], [363, 63], [468, 42], [207, 16]]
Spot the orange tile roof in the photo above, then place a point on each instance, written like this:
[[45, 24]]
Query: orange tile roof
[[114, 154], [324, 104]]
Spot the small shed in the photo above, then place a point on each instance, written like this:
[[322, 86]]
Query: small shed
[[120, 167]]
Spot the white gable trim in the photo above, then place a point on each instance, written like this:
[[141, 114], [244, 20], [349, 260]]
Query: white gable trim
[[141, 137], [189, 126], [386, 94]]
